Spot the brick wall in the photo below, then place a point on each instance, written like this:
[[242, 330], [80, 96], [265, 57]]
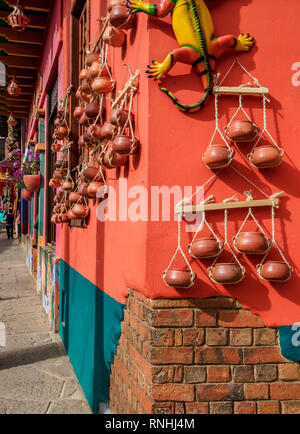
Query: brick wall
[[199, 356]]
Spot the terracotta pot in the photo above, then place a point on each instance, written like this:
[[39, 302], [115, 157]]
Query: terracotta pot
[[26, 194], [267, 156], [202, 248], [119, 117], [217, 156], [95, 132], [102, 85], [84, 121], [82, 189], [83, 95], [90, 58], [81, 142], [85, 85], [125, 145], [94, 187], [70, 215], [92, 110], [61, 132], [251, 243], [74, 197], [113, 37], [64, 218], [119, 16], [32, 182], [54, 183], [54, 219], [78, 112], [275, 270], [80, 211], [56, 147], [91, 172], [96, 68], [112, 3], [112, 159], [59, 174], [179, 278], [241, 131], [86, 138], [108, 130], [67, 185], [83, 74], [226, 273]]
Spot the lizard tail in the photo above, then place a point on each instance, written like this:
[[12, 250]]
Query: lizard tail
[[188, 108]]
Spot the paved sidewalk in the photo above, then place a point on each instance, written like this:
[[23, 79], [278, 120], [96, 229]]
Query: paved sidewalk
[[36, 376]]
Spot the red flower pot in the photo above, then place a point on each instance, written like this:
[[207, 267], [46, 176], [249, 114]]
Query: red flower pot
[[26, 194], [32, 182]]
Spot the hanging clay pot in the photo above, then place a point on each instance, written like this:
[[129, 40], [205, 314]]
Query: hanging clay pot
[[119, 117], [86, 138], [26, 194], [67, 185], [84, 121], [78, 112], [32, 182], [91, 172], [64, 218], [56, 147], [112, 159], [275, 271], [125, 145], [91, 57], [82, 189], [179, 278], [242, 131], [74, 197], [70, 215], [96, 68], [94, 187], [251, 243], [120, 16], [266, 156], [108, 130], [83, 95], [92, 110], [217, 156], [202, 248], [95, 132], [226, 273], [102, 85], [59, 174], [85, 85], [83, 74], [61, 132], [54, 219], [113, 37], [112, 3], [54, 183], [80, 211]]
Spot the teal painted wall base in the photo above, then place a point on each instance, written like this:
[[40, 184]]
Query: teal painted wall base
[[90, 328], [289, 337]]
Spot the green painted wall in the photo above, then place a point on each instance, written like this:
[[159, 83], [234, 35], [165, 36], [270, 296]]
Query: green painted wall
[[90, 327]]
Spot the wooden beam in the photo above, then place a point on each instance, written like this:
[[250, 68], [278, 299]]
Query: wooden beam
[[227, 205], [21, 50], [36, 21], [240, 90], [20, 62], [33, 5], [27, 37], [22, 73]]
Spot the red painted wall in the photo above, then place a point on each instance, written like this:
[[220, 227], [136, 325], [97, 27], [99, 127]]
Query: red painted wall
[[121, 254]]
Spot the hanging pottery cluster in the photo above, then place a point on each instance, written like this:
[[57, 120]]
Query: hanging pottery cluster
[[119, 19]]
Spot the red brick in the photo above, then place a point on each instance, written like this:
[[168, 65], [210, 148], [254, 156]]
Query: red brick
[[243, 374], [265, 337], [162, 337], [217, 302], [141, 363], [178, 337], [170, 317], [256, 391], [268, 407], [193, 336], [216, 336], [163, 374], [289, 372], [219, 392], [194, 374], [285, 391], [205, 318], [241, 337], [212, 302], [179, 408], [163, 408], [291, 407], [263, 355], [221, 408], [173, 392], [140, 327], [196, 408], [265, 373], [239, 318], [218, 374], [245, 407], [165, 355], [137, 308], [218, 356], [178, 374]]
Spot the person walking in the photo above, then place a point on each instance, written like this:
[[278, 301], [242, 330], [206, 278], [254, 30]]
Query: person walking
[[9, 219]]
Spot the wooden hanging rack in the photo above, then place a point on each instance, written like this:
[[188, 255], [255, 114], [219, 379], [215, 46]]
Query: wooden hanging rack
[[131, 82], [240, 90]]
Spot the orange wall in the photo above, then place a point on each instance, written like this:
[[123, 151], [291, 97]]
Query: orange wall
[[121, 254]]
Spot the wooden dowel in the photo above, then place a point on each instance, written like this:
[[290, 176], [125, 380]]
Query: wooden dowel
[[238, 90], [129, 83], [229, 205]]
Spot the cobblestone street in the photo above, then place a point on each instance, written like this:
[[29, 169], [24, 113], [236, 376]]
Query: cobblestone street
[[36, 376]]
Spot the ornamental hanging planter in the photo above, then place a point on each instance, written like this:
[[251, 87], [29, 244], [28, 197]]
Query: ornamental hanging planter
[[14, 89], [33, 182], [11, 121], [17, 19]]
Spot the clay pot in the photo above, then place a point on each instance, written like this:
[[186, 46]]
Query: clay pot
[[90, 58], [112, 159], [119, 117], [251, 243], [83, 95], [125, 145], [91, 172], [241, 131], [85, 85], [74, 197], [102, 85], [81, 142], [95, 132], [54, 219], [86, 138], [84, 121], [108, 130], [32, 182], [266, 156], [112, 3], [59, 174], [226, 273], [61, 132], [54, 183], [202, 248], [217, 156], [94, 187], [80, 211], [96, 68], [64, 218], [78, 112], [275, 270], [83, 74], [26, 194], [67, 185], [179, 278], [70, 215], [113, 37], [119, 16], [56, 147], [82, 189], [92, 110]]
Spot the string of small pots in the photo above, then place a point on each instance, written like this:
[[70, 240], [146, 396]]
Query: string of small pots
[[218, 157]]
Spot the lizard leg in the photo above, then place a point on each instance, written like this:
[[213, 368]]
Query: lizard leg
[[222, 44], [185, 55], [244, 42]]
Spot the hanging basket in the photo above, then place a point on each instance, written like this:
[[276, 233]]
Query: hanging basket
[[14, 89], [33, 182], [17, 20], [11, 121]]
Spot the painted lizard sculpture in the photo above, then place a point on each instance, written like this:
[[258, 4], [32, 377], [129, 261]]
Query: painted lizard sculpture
[[194, 30]]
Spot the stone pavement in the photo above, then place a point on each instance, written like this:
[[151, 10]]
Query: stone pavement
[[36, 376]]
